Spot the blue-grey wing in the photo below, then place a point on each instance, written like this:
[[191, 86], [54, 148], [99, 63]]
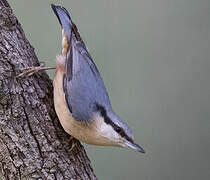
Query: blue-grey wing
[[83, 85]]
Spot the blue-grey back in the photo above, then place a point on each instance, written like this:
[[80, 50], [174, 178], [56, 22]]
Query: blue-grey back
[[84, 87]]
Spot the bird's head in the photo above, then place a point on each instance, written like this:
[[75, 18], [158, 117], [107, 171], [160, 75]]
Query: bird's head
[[116, 130]]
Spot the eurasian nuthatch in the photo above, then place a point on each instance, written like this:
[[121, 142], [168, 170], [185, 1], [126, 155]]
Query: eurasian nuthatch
[[80, 97]]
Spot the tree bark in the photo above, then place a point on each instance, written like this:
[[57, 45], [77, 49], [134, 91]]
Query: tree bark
[[33, 145]]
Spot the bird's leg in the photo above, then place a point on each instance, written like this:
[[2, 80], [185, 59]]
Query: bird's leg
[[31, 70]]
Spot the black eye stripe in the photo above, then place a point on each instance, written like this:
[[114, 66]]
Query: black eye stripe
[[107, 120]]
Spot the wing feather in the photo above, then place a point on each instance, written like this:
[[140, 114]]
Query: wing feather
[[83, 85]]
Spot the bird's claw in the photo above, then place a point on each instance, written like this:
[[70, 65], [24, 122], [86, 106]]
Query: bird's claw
[[73, 144], [28, 71]]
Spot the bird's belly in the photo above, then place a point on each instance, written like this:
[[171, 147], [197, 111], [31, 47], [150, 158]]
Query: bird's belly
[[88, 133]]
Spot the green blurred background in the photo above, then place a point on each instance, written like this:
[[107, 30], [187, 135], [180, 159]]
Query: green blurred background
[[154, 58]]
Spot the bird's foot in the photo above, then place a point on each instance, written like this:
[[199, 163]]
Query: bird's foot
[[31, 70], [73, 144]]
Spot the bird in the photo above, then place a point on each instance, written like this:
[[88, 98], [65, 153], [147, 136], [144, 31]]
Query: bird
[[81, 100]]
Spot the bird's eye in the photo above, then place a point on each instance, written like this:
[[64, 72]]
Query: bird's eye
[[118, 129]]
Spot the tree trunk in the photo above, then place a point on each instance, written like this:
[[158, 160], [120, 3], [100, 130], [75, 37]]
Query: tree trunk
[[33, 145]]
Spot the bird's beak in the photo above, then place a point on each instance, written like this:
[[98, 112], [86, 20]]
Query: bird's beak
[[134, 146]]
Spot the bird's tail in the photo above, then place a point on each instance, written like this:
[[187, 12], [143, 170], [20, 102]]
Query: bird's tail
[[64, 18]]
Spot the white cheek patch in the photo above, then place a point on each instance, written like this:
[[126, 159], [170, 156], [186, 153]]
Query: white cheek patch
[[108, 132]]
